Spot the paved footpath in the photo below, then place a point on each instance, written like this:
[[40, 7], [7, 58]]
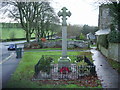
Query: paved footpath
[[108, 76], [8, 69]]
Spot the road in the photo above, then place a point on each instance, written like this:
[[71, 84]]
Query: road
[[8, 61], [5, 53]]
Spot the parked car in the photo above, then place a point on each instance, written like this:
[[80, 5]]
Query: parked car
[[12, 47]]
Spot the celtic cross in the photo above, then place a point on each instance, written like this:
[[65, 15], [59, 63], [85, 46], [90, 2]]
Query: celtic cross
[[64, 14]]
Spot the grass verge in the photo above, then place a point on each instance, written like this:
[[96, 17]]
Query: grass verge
[[115, 65]]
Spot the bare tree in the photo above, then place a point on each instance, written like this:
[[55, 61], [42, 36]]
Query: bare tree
[[74, 30], [34, 17], [25, 13], [45, 18]]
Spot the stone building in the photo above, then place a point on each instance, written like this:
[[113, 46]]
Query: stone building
[[108, 49], [104, 17]]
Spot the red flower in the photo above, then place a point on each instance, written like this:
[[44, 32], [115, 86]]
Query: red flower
[[64, 70], [43, 39]]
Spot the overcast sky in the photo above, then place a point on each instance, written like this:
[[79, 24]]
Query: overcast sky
[[83, 11]]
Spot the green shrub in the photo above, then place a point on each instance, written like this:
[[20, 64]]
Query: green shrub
[[114, 37], [82, 36], [82, 63], [44, 64], [103, 41]]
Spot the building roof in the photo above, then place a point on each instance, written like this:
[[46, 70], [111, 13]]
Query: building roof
[[102, 32], [90, 36]]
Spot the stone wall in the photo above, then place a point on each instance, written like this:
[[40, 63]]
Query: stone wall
[[112, 52], [104, 17], [103, 50], [70, 44], [49, 44], [57, 44], [81, 44]]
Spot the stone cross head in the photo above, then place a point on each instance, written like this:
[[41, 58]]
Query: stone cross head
[[64, 14]]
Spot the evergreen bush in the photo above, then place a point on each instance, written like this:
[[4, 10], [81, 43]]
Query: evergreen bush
[[114, 36], [82, 37], [44, 64], [103, 41]]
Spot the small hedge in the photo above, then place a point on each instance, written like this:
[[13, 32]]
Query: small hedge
[[114, 37]]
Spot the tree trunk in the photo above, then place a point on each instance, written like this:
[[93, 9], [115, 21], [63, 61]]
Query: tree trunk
[[35, 36], [48, 35], [118, 25], [42, 34], [38, 38], [28, 36], [51, 34]]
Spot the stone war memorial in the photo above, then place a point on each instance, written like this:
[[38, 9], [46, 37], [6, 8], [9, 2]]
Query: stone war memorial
[[64, 60], [64, 66]]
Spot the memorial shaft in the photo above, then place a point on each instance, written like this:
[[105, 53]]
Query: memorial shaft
[[64, 14], [64, 42]]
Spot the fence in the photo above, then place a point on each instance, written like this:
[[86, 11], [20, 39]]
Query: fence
[[73, 71]]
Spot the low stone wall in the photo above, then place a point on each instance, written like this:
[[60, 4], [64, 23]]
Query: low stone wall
[[49, 44], [103, 50], [112, 52], [57, 44], [70, 44]]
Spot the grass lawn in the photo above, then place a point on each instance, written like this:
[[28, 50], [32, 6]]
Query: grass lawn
[[18, 33], [56, 49], [93, 45], [25, 71], [43, 49], [56, 56]]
